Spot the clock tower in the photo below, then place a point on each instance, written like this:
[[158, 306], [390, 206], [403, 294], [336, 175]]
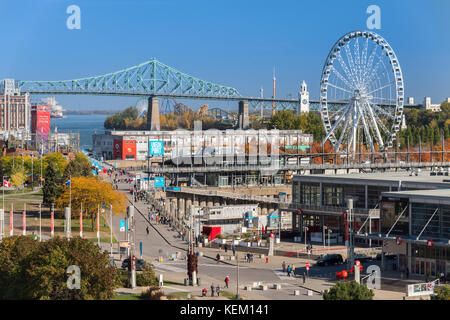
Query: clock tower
[[304, 98]]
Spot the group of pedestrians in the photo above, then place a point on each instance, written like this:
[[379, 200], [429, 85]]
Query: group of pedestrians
[[289, 269], [216, 289]]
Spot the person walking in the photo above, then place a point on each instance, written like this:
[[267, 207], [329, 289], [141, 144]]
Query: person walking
[[226, 248], [212, 290], [289, 270], [218, 257], [233, 248], [283, 265], [407, 273], [147, 230], [293, 270], [227, 279], [218, 290], [304, 277]]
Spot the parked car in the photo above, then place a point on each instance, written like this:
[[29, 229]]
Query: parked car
[[140, 264], [330, 259], [361, 258]]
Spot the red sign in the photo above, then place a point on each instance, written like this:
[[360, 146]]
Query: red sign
[[51, 221], [299, 212], [307, 264], [398, 240], [344, 216], [430, 243], [272, 235]]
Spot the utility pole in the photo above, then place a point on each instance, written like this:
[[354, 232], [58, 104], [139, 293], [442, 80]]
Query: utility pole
[[110, 227], [40, 222]]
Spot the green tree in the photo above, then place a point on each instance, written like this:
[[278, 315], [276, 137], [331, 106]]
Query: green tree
[[348, 291], [31, 269], [52, 188], [78, 167], [441, 293]]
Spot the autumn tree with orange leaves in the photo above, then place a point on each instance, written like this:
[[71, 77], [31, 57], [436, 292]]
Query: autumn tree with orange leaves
[[92, 193]]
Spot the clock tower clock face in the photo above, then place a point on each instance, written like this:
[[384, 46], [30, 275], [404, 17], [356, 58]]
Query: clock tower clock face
[[304, 101]]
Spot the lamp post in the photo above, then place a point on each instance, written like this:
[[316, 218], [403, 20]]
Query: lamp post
[[237, 279]]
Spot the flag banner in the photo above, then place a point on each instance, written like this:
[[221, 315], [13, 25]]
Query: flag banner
[[98, 225], [81, 224], [52, 214], [67, 182], [11, 223]]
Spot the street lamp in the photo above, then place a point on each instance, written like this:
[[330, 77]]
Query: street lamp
[[237, 279]]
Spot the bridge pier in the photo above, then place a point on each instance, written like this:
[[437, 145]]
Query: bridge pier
[[153, 114], [243, 115]]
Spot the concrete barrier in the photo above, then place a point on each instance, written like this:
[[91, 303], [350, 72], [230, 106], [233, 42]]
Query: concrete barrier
[[263, 287], [262, 256], [309, 293], [277, 286], [232, 258], [248, 288], [255, 284], [296, 292]]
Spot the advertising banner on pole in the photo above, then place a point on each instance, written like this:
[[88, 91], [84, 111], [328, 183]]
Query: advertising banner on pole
[[11, 223]]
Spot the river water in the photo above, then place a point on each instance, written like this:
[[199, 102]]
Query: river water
[[86, 125]]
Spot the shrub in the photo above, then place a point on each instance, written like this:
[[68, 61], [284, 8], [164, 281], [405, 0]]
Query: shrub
[[348, 291], [152, 293], [147, 277], [441, 293]]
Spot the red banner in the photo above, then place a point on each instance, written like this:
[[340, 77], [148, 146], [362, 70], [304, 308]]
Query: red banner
[[51, 222]]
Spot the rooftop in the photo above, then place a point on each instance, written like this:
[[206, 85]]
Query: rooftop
[[391, 177], [435, 195]]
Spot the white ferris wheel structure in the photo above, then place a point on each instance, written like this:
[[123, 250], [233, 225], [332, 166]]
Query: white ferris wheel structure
[[361, 93]]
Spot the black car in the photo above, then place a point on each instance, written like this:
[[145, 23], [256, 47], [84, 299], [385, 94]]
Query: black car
[[140, 264], [330, 259], [361, 258]]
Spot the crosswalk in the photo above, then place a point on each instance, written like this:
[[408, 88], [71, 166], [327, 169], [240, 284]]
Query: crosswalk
[[180, 266]]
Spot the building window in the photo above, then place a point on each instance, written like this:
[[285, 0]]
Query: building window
[[310, 193], [333, 195]]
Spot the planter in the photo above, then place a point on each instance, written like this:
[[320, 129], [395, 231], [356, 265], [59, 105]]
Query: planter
[[244, 244], [256, 244], [235, 242], [220, 241]]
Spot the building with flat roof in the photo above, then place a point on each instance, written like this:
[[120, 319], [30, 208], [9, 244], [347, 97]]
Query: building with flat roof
[[398, 211], [322, 199]]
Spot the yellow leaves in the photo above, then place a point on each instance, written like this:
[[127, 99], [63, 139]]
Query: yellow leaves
[[17, 178], [92, 193]]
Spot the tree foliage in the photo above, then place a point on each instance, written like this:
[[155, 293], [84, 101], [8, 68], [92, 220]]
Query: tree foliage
[[52, 185], [31, 269], [441, 293], [348, 291], [78, 167], [92, 193], [310, 122]]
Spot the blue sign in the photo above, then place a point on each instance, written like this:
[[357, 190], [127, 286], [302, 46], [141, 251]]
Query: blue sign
[[156, 148], [159, 182], [122, 225]]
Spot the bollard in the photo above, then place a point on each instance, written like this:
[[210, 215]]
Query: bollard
[[267, 259], [296, 292], [309, 293], [277, 286], [263, 287], [248, 288]]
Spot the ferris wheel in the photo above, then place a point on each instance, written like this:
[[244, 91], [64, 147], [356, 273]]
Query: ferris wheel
[[361, 93]]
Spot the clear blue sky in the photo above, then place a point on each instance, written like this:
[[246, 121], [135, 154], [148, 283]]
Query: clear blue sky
[[233, 42]]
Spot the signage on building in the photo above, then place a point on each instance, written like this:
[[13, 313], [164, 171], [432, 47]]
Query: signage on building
[[430, 243], [156, 148], [299, 212], [398, 240]]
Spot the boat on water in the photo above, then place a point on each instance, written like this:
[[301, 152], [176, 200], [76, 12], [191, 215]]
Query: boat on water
[[56, 111]]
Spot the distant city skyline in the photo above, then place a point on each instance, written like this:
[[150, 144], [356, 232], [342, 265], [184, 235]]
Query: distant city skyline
[[233, 43]]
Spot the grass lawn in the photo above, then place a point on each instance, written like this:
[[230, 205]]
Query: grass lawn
[[172, 283], [229, 295], [181, 295], [127, 297]]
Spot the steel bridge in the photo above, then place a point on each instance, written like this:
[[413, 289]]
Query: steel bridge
[[154, 79]]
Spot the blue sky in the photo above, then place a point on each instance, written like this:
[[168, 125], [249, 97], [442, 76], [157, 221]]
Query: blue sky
[[233, 42]]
